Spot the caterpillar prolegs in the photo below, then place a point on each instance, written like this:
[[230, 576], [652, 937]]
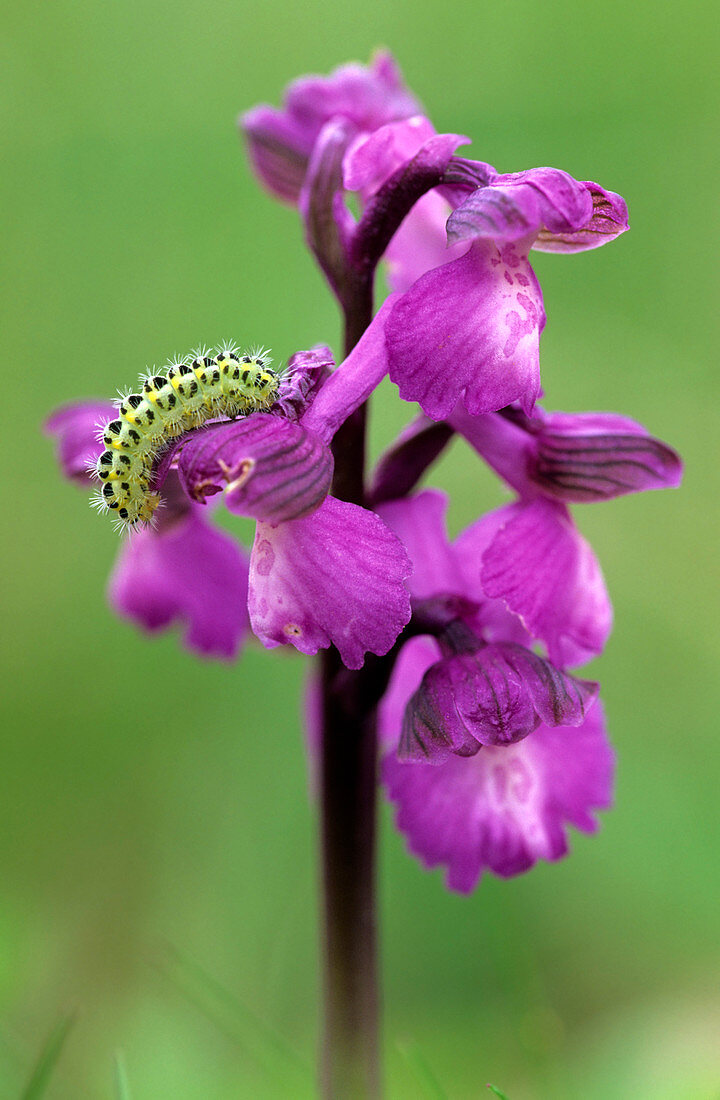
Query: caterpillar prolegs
[[188, 394]]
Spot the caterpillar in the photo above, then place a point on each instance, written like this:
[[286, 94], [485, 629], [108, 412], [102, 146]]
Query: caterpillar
[[190, 392]]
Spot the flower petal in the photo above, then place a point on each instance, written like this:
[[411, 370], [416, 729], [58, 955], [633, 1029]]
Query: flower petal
[[306, 373], [495, 212], [495, 695], [280, 141], [420, 244], [597, 456], [415, 658], [328, 222], [520, 204], [419, 523], [507, 807], [333, 578], [190, 572], [494, 620], [373, 157], [367, 95], [546, 573], [75, 428], [463, 176], [270, 468], [469, 329], [608, 220], [279, 147], [578, 457]]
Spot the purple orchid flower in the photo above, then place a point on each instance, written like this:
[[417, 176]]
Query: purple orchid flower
[[503, 809], [468, 324], [536, 561], [491, 743], [489, 687], [538, 753], [469, 329], [322, 571]]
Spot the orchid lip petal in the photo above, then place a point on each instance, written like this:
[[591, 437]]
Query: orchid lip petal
[[547, 574], [469, 330], [507, 807], [335, 577], [502, 809]]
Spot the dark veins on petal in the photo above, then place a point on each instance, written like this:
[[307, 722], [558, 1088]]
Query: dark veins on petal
[[585, 468], [271, 469]]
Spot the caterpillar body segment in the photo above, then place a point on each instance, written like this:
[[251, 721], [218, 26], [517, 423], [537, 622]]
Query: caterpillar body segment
[[189, 393]]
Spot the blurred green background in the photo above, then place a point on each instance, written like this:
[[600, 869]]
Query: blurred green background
[[146, 857]]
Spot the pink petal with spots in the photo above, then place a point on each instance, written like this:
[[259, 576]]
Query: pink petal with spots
[[333, 578], [469, 329]]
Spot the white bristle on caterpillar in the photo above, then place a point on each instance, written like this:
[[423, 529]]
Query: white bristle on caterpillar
[[184, 395]]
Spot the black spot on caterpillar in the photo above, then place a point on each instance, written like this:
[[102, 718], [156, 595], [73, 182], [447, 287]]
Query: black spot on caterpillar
[[191, 392]]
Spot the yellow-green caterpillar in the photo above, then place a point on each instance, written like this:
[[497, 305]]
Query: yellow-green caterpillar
[[191, 392]]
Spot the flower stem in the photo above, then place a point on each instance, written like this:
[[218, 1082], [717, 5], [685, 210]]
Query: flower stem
[[351, 1063], [349, 442]]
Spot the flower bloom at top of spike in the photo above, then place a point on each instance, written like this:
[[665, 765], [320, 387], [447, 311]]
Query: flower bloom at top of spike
[[281, 142], [455, 232]]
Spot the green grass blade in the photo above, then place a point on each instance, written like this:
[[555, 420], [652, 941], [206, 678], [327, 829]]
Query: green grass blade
[[48, 1059], [425, 1076], [122, 1085], [496, 1090], [257, 1039]]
